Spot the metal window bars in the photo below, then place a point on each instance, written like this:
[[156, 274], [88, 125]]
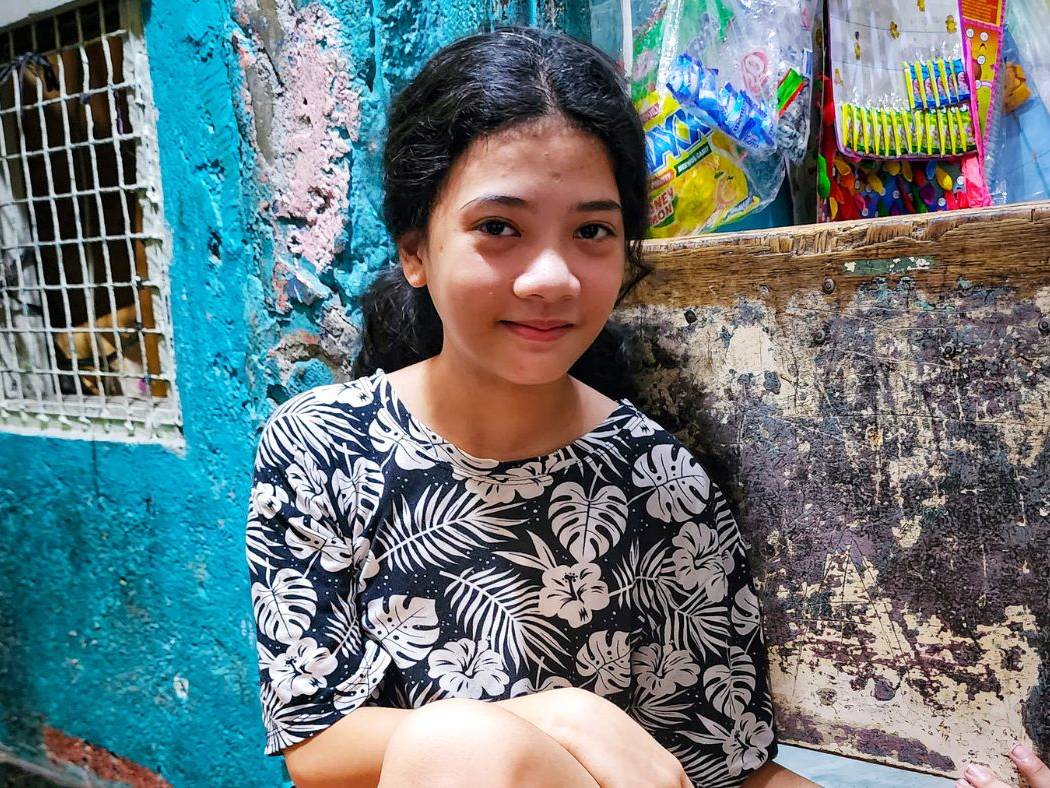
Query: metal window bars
[[85, 329]]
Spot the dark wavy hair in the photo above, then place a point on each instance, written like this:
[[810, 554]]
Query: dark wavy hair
[[477, 86]]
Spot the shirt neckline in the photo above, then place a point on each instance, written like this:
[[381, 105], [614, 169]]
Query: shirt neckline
[[583, 444]]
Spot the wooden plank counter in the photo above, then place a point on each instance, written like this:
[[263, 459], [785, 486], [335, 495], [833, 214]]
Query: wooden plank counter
[[874, 398]]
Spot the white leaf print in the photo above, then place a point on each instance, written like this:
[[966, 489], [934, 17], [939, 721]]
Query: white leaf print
[[729, 686], [526, 687], [444, 525], [700, 624], [288, 724], [357, 494], [502, 609], [745, 613], [703, 768], [407, 628], [655, 584], [728, 533], [607, 657], [544, 558], [680, 486], [307, 538], [259, 547], [603, 447], [266, 657], [659, 712], [416, 696], [410, 452], [303, 423], [343, 627], [352, 692], [284, 609], [587, 527], [713, 732]]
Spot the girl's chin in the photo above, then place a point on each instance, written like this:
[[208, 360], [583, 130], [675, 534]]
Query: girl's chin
[[535, 374]]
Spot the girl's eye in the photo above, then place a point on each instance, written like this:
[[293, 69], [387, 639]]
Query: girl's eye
[[496, 227], [594, 232]]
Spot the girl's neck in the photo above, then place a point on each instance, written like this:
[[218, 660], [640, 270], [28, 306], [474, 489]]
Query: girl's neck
[[488, 416]]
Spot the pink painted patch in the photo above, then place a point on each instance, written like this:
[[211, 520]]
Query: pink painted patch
[[318, 107]]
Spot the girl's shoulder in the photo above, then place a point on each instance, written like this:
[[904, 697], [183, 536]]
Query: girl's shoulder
[[353, 395], [320, 423]]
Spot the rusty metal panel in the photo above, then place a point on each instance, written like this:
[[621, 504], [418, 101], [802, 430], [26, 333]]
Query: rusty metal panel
[[874, 397]]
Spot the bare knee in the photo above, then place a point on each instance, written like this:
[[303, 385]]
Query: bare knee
[[459, 742]]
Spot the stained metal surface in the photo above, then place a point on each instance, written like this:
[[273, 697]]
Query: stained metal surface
[[875, 399]]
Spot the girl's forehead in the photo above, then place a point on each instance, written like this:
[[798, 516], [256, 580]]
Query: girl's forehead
[[545, 150]]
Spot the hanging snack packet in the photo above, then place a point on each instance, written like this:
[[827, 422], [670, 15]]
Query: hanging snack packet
[[694, 179]]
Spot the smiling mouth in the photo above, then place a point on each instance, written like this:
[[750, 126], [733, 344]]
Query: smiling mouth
[[537, 334]]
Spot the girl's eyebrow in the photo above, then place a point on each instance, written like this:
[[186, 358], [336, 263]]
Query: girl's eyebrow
[[518, 202]]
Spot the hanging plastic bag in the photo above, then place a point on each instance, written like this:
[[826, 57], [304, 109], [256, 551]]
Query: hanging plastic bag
[[722, 87]]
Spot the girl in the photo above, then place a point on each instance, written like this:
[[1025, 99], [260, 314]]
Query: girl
[[479, 563]]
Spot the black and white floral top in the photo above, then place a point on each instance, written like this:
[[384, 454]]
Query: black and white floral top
[[390, 568]]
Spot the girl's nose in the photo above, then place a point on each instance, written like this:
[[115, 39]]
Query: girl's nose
[[549, 276]]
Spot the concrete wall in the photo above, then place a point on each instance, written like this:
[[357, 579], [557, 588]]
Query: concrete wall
[[125, 621]]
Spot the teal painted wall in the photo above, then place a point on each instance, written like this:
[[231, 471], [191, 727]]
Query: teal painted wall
[[124, 612], [125, 616]]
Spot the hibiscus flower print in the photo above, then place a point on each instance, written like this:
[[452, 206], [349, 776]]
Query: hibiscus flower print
[[661, 668], [467, 669], [301, 670], [309, 480], [573, 593], [524, 481], [698, 563], [746, 746], [267, 499], [526, 687]]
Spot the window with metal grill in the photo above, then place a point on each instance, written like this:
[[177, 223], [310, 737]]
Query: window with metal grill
[[85, 330]]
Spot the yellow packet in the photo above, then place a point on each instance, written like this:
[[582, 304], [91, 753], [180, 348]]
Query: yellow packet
[[695, 183]]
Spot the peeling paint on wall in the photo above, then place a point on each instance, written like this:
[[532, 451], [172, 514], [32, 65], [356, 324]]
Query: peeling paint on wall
[[888, 453]]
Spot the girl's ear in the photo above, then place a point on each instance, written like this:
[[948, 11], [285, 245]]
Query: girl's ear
[[411, 251]]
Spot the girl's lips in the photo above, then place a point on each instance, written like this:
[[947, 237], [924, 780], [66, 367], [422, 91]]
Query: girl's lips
[[536, 334]]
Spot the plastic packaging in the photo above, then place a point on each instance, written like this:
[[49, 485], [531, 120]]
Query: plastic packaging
[[1019, 165], [723, 89]]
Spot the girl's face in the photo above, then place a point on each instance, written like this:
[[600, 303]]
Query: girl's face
[[524, 253]]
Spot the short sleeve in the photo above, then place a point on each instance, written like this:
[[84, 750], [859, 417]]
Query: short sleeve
[[699, 665], [305, 558]]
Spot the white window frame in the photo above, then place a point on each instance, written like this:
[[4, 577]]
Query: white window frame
[[149, 418]]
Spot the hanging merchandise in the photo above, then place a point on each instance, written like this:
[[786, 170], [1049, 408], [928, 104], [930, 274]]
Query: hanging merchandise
[[907, 109], [722, 87], [900, 81]]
